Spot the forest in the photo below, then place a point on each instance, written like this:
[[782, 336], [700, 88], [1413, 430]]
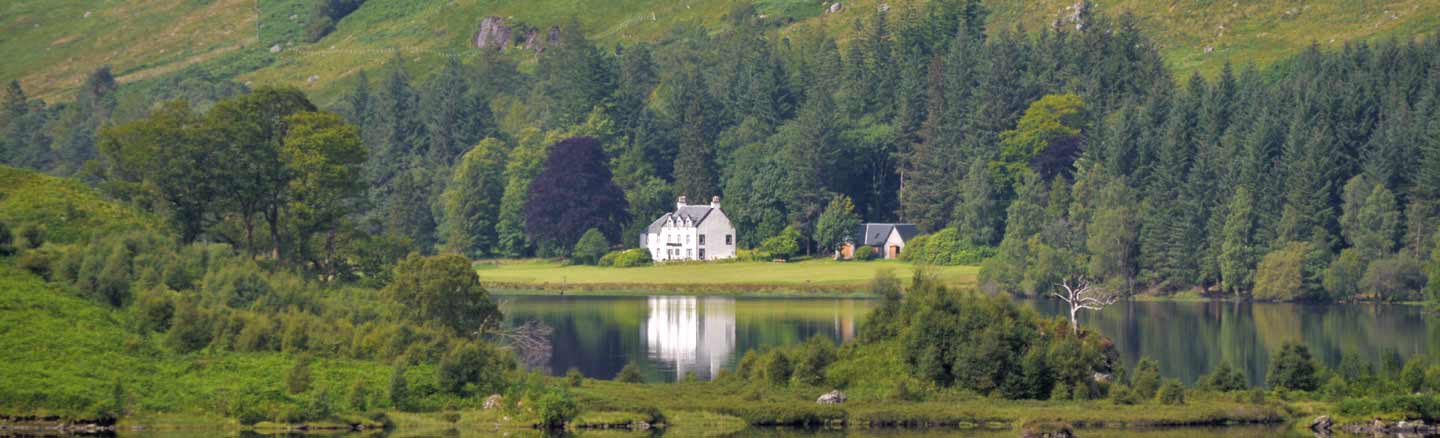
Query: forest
[[1041, 154]]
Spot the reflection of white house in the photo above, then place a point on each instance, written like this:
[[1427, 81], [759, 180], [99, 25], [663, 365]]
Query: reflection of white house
[[695, 334], [692, 232]]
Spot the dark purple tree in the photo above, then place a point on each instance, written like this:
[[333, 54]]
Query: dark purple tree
[[573, 193]]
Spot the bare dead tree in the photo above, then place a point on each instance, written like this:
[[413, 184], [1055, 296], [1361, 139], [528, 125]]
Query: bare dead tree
[[530, 342], [1085, 296]]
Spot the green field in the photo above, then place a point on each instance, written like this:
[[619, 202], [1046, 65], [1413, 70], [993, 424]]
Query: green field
[[720, 277], [52, 44]]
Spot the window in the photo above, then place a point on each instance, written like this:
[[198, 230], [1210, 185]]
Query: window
[[687, 239], [702, 242], [702, 252], [729, 239], [689, 253]]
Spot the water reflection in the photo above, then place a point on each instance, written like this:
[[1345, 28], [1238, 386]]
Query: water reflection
[[691, 334], [670, 336]]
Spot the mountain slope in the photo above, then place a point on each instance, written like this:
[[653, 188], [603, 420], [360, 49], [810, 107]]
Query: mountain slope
[[50, 45]]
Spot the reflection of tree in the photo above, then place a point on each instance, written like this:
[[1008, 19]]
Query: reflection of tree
[[531, 342]]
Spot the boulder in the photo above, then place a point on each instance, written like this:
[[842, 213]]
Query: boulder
[[1321, 423], [831, 398], [493, 401], [275, 48], [493, 34], [834, 8]]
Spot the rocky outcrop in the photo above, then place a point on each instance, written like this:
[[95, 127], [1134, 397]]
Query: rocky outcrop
[[1321, 424], [831, 398], [1382, 427], [1047, 429], [493, 34]]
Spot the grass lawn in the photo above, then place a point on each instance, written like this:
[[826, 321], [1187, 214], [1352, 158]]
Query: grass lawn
[[733, 277]]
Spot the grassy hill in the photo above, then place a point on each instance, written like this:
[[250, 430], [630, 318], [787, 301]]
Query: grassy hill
[[67, 209], [50, 45]]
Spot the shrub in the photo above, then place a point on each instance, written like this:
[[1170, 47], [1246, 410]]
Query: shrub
[[811, 358], [555, 408], [399, 389], [1292, 368], [1412, 377], [865, 252], [945, 247], [627, 258], [1122, 395], [1172, 393], [36, 261], [590, 248], [7, 241], [573, 378], [1146, 379], [775, 368], [749, 365], [474, 368], [1396, 278], [630, 374], [1280, 274], [1224, 379], [298, 379], [31, 236], [783, 246]]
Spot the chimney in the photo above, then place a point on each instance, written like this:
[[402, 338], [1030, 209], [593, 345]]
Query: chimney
[[680, 203], [714, 202]]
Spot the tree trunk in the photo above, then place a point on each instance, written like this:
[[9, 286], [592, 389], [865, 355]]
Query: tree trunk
[[1074, 323], [249, 235]]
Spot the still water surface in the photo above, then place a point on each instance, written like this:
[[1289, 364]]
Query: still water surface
[[670, 336]]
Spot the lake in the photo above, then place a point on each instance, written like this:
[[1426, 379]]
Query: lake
[[670, 336]]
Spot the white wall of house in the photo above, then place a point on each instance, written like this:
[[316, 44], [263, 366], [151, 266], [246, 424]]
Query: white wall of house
[[719, 236], [894, 245]]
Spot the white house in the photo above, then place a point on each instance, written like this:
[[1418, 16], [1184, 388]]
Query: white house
[[692, 232]]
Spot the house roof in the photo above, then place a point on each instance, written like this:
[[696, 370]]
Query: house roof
[[876, 234], [695, 213]]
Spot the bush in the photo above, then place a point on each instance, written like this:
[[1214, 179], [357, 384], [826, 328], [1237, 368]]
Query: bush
[[1412, 377], [1224, 379], [1146, 379], [1280, 274], [475, 367], [31, 236], [298, 379], [1122, 395], [783, 246], [865, 252], [945, 247], [1396, 278], [590, 248], [630, 374], [1172, 393], [749, 365], [1293, 369], [36, 261], [775, 368], [555, 408], [7, 241], [573, 378], [627, 258], [811, 358]]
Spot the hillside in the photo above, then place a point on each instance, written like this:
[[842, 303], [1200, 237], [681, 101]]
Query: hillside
[[68, 210], [51, 45]]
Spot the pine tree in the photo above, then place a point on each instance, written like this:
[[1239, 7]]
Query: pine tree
[[472, 200], [695, 164], [1238, 255], [976, 215], [810, 154]]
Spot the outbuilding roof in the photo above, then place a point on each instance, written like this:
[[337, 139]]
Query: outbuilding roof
[[875, 234]]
